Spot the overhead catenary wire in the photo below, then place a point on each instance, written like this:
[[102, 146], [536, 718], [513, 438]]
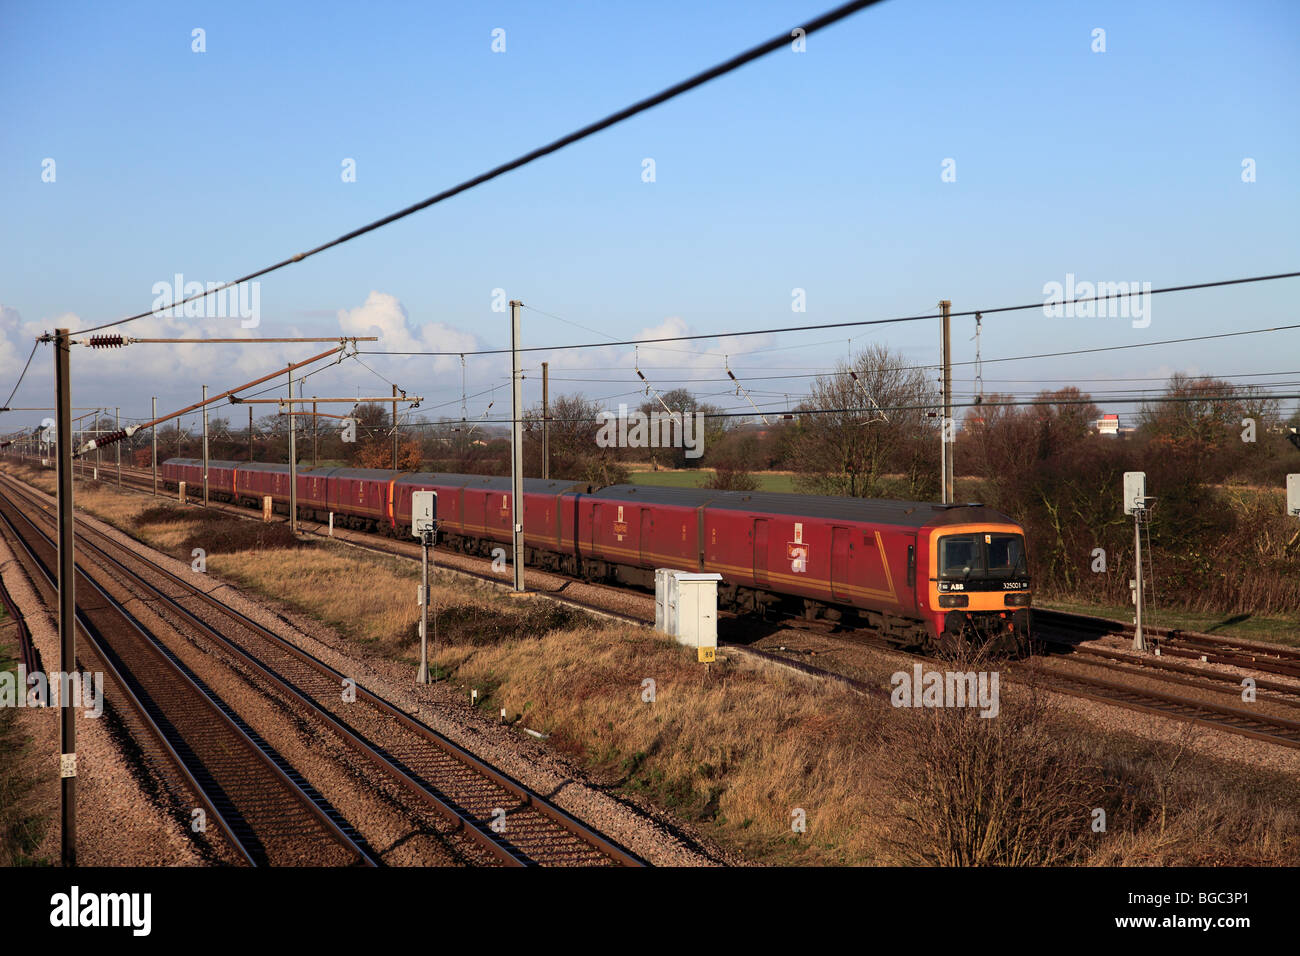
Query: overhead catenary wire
[[21, 375], [931, 406], [677, 89], [856, 323], [1022, 358]]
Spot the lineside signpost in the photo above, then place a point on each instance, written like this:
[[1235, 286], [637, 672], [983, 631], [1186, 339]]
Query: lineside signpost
[[1135, 504], [424, 525]]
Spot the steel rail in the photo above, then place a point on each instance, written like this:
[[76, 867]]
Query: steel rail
[[478, 831], [178, 676]]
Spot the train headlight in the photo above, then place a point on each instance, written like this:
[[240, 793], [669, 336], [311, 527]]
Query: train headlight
[[1020, 599], [954, 600]]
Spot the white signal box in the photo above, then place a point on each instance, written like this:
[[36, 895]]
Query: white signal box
[[424, 512], [1293, 495], [686, 607], [1135, 491]]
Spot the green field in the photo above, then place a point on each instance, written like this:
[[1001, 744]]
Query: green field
[[697, 478]]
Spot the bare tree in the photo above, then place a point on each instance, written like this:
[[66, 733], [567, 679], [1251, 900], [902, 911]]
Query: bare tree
[[575, 453], [873, 423]]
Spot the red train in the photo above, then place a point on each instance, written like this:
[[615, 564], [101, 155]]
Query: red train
[[921, 574]]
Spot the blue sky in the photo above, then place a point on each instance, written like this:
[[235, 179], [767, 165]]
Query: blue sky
[[818, 170]]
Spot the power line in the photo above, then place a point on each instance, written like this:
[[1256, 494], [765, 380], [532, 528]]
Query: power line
[[1158, 400], [1021, 358], [891, 321], [21, 375], [699, 79], [828, 373]]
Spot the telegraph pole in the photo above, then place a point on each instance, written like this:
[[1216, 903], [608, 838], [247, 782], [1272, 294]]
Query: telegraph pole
[[250, 434], [117, 426], [315, 432], [946, 433], [516, 449], [153, 436], [546, 420], [205, 446], [394, 428], [293, 462], [67, 595]]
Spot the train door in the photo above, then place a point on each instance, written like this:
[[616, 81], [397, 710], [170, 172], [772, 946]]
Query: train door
[[841, 563], [595, 529], [760, 552], [647, 537]]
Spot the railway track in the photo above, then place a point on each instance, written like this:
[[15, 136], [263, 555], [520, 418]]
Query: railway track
[[28, 655], [504, 821], [1067, 628], [1172, 642], [1269, 728], [250, 802]]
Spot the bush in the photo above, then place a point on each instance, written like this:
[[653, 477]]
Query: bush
[[988, 791]]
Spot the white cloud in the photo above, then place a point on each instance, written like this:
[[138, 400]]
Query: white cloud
[[130, 376]]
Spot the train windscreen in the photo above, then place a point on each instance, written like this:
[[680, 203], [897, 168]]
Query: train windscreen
[[991, 554]]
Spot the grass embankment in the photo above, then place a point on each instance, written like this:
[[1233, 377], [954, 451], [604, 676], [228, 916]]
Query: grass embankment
[[22, 825], [739, 751]]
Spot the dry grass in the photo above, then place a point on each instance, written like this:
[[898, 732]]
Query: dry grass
[[737, 748], [740, 749], [734, 747], [22, 823]]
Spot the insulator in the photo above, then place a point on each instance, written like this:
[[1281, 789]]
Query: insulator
[[106, 342]]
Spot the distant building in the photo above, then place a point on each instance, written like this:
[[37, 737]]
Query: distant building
[[1107, 425]]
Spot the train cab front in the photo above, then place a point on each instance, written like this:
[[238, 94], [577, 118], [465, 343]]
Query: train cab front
[[980, 588]]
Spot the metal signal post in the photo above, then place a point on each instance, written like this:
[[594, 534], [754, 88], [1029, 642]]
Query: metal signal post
[[1135, 503], [424, 525], [426, 542], [205, 446], [153, 434], [516, 450], [293, 464], [546, 420], [67, 594], [947, 431]]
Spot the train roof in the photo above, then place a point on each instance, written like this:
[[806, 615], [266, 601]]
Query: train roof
[[914, 514], [552, 486], [212, 463]]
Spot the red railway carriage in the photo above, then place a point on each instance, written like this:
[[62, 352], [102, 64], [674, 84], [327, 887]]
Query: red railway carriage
[[474, 512], [360, 493], [259, 479], [188, 470], [830, 554], [447, 488], [221, 475], [922, 574]]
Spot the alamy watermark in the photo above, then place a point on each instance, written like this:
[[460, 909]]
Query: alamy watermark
[[946, 689], [84, 691], [74, 908], [243, 301], [1103, 300], [637, 429]]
